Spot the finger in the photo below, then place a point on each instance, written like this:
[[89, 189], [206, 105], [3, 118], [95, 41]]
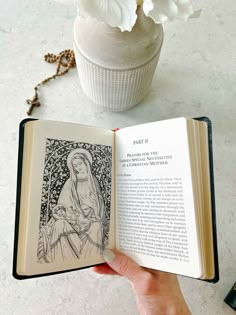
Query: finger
[[105, 269], [122, 264]]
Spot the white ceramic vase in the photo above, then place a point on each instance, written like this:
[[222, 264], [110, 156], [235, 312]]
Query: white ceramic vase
[[116, 68]]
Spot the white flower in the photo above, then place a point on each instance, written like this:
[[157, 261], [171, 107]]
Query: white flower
[[122, 13], [163, 10]]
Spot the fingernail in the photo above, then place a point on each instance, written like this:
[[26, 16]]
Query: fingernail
[[108, 255]]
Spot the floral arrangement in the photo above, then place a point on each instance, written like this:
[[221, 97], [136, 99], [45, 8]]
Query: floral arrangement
[[122, 13]]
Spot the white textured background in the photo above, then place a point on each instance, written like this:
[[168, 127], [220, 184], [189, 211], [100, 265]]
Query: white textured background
[[196, 76]]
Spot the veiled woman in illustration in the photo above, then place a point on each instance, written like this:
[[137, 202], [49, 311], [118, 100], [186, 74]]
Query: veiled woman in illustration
[[77, 232]]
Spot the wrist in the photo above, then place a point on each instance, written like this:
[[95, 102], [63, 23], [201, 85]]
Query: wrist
[[177, 309], [162, 305], [164, 309]]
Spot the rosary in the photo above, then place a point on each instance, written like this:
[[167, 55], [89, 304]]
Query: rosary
[[65, 61]]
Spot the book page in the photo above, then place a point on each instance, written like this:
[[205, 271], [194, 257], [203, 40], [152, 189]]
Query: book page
[[155, 216], [69, 218]]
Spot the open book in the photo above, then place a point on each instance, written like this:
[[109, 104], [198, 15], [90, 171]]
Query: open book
[[146, 190]]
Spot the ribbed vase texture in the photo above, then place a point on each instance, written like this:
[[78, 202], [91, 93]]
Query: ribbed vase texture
[[116, 68]]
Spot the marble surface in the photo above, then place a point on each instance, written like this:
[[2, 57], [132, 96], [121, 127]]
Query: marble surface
[[196, 76]]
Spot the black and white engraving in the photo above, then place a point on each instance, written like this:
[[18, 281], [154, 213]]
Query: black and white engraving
[[76, 200]]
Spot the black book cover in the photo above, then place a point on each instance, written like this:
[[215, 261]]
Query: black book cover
[[18, 194], [213, 206]]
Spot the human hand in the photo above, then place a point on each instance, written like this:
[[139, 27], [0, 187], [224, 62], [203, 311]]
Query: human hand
[[157, 293]]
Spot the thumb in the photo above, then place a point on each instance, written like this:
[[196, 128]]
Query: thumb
[[122, 264]]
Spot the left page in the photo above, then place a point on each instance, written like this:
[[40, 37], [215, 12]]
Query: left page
[[69, 217]]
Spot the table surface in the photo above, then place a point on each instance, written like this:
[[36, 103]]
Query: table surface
[[196, 76]]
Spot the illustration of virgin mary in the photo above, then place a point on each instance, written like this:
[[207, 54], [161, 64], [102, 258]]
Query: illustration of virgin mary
[[78, 232], [82, 196]]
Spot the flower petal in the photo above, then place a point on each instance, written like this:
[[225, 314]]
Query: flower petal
[[185, 9], [162, 10], [117, 13]]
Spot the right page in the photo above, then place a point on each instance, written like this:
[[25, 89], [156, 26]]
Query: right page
[[155, 215]]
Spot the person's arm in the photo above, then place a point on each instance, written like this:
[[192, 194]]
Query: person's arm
[[157, 293]]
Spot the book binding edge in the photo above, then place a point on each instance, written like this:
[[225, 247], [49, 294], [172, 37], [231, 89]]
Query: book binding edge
[[213, 205]]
